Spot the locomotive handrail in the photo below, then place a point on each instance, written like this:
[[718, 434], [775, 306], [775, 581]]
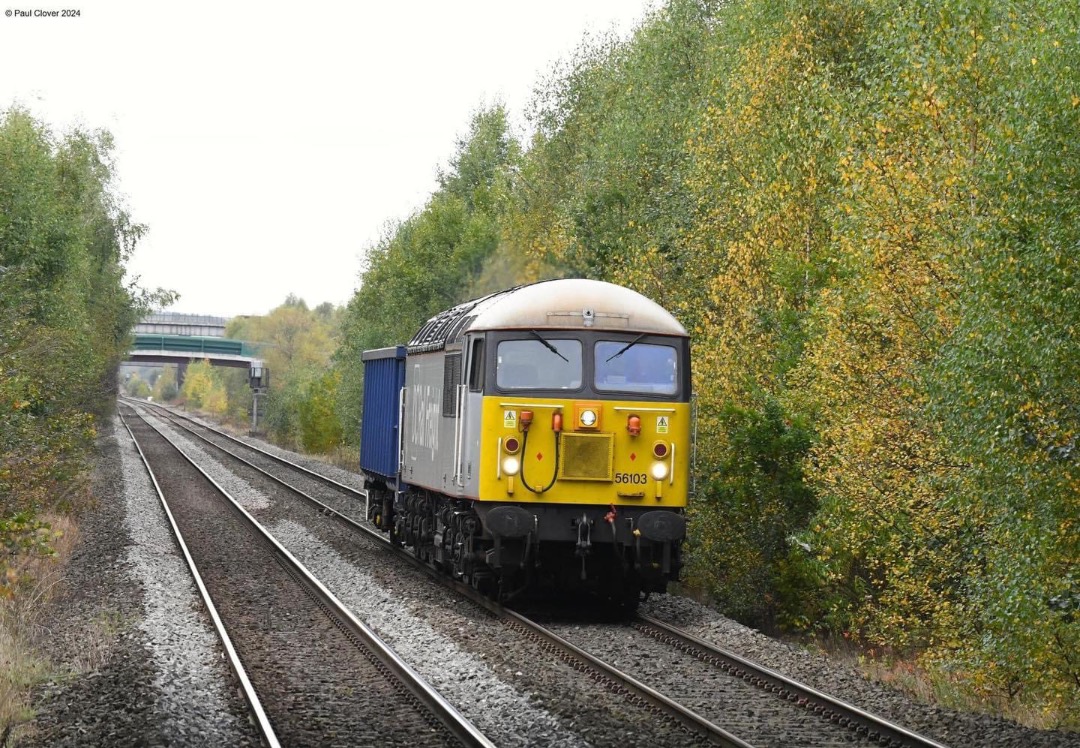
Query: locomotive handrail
[[459, 436], [671, 478]]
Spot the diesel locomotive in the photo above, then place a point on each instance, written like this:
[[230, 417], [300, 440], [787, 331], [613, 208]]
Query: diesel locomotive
[[536, 437]]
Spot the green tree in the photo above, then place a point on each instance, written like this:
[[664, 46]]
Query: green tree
[[165, 388], [1006, 382], [296, 343], [320, 429], [204, 389], [66, 310], [136, 386], [430, 261]]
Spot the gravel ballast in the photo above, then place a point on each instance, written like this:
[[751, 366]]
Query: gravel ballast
[[147, 675], [956, 729], [317, 682], [479, 665], [838, 679], [155, 676]]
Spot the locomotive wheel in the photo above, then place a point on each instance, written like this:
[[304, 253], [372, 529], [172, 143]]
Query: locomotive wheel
[[484, 583]]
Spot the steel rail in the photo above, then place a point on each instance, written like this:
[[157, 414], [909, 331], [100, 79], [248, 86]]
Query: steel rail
[[644, 693], [323, 508], [681, 714], [307, 471], [828, 707], [262, 723], [447, 714]]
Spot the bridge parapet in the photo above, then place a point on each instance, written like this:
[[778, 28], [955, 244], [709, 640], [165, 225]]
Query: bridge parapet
[[187, 348], [175, 323], [194, 344]]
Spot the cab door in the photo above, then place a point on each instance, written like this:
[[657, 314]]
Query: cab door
[[471, 400]]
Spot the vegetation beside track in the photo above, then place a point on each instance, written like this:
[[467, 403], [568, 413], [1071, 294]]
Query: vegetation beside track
[[867, 217], [66, 309]]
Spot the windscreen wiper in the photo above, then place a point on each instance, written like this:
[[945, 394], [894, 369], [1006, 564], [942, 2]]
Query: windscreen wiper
[[548, 345], [628, 346]]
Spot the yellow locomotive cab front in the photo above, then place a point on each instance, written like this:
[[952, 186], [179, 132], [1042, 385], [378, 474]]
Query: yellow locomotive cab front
[[637, 455]]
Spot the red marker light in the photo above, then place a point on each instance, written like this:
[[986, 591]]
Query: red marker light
[[512, 445], [660, 450]]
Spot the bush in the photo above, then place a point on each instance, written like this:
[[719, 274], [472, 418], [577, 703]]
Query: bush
[[743, 549]]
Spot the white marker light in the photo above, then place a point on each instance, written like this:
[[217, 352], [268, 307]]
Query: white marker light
[[659, 470]]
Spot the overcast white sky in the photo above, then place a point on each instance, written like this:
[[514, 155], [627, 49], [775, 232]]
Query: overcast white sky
[[265, 144]]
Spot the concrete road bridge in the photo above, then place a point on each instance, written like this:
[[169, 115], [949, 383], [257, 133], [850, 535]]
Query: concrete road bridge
[[181, 339], [173, 338]]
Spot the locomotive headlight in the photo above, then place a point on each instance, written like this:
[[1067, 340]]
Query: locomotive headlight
[[587, 416], [659, 470], [511, 465]]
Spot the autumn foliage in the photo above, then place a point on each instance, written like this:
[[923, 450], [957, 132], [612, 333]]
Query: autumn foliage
[[867, 218], [65, 314]]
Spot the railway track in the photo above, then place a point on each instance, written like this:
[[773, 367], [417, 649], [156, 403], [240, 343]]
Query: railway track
[[739, 698], [745, 697], [877, 730], [312, 673]]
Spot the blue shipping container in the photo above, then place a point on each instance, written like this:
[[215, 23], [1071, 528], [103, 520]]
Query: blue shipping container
[[380, 432]]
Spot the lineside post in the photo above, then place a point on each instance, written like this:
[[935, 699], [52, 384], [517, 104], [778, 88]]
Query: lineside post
[[259, 380]]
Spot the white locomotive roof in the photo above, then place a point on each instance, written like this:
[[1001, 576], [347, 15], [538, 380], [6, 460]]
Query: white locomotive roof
[[575, 302], [566, 303]]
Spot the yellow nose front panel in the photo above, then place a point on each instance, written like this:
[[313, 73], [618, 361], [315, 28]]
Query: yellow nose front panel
[[587, 457], [613, 464]]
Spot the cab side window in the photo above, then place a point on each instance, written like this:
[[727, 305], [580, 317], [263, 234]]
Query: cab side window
[[476, 366]]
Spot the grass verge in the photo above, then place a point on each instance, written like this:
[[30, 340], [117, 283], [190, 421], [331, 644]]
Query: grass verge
[[23, 625]]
